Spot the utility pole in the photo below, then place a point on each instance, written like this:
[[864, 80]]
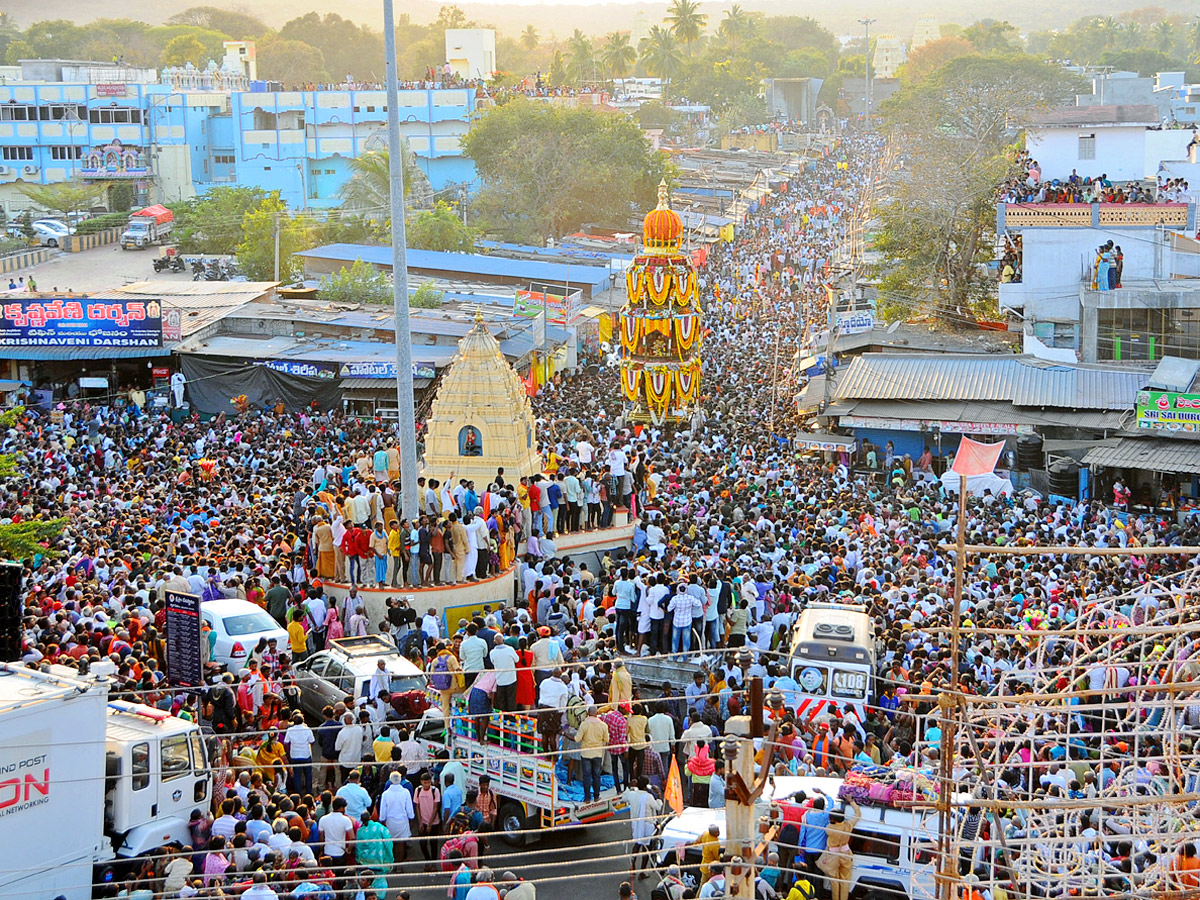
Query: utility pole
[[867, 23], [277, 246], [743, 787], [406, 420]]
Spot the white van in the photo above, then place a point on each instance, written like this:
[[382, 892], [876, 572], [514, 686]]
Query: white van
[[832, 660], [894, 849]]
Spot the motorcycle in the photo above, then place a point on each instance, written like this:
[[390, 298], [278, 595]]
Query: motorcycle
[[198, 270], [161, 264], [177, 264]]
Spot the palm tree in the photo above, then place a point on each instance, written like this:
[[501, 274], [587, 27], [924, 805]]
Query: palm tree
[[1195, 30], [618, 54], [686, 21], [1164, 33], [582, 57], [737, 25], [660, 53], [529, 38], [368, 189]]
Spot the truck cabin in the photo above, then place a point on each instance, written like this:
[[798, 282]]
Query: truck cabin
[[156, 766], [833, 653]]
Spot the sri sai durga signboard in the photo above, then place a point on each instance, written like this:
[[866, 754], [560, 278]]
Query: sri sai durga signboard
[[1168, 411]]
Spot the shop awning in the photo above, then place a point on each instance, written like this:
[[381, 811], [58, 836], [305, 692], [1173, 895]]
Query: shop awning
[[1149, 454], [373, 387], [822, 441]]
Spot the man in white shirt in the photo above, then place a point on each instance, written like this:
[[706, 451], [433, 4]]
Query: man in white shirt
[[432, 625], [661, 730], [644, 808], [336, 829], [504, 661], [553, 692], [298, 740], [349, 744], [396, 812]]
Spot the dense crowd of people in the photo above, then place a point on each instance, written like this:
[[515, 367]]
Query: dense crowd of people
[[735, 534]]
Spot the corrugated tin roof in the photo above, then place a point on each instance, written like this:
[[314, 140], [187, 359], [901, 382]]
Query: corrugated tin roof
[[43, 354], [1148, 454], [201, 302], [994, 413], [468, 264], [1174, 374], [1021, 381]]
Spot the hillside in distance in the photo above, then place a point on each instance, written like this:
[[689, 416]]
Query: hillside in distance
[[561, 18]]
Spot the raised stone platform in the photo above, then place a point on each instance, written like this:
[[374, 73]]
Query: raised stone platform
[[455, 601]]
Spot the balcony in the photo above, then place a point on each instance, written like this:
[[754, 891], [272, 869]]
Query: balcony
[[1014, 216]]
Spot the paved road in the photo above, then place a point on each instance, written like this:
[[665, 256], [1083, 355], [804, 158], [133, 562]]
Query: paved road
[[100, 269], [565, 865]]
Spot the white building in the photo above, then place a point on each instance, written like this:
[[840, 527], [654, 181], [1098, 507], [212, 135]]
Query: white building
[[471, 52], [1122, 142], [925, 31], [888, 57]]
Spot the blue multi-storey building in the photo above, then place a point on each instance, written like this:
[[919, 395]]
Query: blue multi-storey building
[[178, 133]]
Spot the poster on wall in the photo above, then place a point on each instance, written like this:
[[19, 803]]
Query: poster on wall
[[81, 323]]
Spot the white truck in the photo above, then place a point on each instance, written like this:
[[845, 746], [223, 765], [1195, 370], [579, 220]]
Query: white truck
[[530, 794], [151, 225], [86, 783]]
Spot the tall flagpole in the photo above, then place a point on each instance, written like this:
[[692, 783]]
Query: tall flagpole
[[406, 422]]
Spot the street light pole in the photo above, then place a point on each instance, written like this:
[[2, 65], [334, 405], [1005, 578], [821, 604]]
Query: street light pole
[[867, 23], [406, 421]]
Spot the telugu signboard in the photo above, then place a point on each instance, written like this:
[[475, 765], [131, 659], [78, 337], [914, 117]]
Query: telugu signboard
[[926, 425], [296, 367], [559, 308], [1168, 411], [856, 322], [185, 667], [383, 370], [81, 323]]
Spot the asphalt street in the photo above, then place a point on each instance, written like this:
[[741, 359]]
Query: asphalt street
[[571, 864], [98, 269]]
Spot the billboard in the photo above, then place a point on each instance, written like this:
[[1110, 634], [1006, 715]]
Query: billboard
[[559, 308], [1168, 411], [185, 667], [383, 370], [36, 322]]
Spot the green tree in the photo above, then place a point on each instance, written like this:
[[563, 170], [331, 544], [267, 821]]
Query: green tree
[[348, 49], [990, 36], [120, 196], [1164, 36], [654, 114], [290, 62], [212, 223], [558, 69], [928, 58], [22, 541], [582, 57], [440, 228], [529, 38], [18, 50], [547, 170], [256, 251], [659, 53], [368, 190], [426, 296], [619, 55], [235, 24], [686, 21], [183, 50], [27, 225], [64, 197], [360, 283], [737, 26]]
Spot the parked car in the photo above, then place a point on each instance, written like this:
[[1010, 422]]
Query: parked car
[[239, 624], [345, 668], [55, 225], [47, 236]]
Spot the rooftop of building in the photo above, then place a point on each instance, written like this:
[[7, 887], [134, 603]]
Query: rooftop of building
[[1068, 116]]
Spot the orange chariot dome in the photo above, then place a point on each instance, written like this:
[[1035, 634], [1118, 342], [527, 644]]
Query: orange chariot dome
[[662, 226]]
